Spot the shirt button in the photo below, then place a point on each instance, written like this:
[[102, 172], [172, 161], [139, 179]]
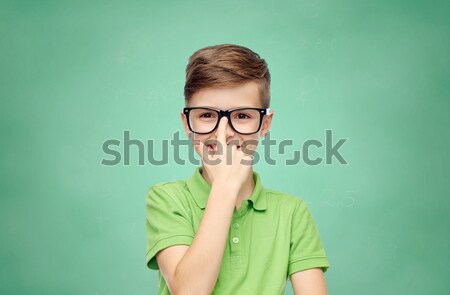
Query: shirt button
[[236, 225], [235, 240]]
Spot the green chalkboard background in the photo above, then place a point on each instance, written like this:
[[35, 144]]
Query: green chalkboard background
[[75, 74]]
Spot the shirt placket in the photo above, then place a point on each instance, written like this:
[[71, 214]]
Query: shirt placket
[[236, 237]]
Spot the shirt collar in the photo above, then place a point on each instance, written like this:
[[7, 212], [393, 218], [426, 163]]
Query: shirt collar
[[200, 189]]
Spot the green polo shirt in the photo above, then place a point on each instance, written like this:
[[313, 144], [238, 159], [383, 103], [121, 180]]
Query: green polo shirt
[[271, 236]]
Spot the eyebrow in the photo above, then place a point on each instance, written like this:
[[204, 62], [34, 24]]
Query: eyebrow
[[238, 107]]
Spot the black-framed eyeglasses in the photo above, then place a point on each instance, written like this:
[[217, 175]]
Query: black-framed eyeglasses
[[204, 120]]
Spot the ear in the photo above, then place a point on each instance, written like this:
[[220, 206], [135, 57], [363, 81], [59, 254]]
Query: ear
[[185, 124], [267, 122]]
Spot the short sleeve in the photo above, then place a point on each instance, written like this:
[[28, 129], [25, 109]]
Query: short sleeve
[[306, 249], [168, 222]]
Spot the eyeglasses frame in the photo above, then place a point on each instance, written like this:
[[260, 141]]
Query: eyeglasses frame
[[226, 113]]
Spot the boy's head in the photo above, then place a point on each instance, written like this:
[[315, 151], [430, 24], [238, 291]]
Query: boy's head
[[225, 77], [226, 65]]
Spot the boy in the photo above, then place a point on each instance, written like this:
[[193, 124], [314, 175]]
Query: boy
[[220, 231]]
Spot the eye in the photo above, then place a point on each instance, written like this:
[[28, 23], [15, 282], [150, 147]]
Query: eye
[[207, 115], [242, 116]]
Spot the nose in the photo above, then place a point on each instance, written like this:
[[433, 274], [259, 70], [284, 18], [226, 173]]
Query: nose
[[229, 132]]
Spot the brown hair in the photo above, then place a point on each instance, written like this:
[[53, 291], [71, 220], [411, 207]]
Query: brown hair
[[226, 65]]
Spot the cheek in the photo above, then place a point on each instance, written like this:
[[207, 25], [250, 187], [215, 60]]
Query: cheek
[[204, 138], [250, 142], [195, 137], [200, 137]]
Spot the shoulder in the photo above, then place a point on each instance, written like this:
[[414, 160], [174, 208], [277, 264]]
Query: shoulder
[[175, 190], [169, 185], [284, 202], [283, 197]]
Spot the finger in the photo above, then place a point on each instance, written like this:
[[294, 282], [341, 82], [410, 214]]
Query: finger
[[234, 150], [249, 146], [231, 154], [207, 157], [247, 160], [221, 132]]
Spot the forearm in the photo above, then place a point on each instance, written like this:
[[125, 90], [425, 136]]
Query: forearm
[[309, 282], [197, 271]]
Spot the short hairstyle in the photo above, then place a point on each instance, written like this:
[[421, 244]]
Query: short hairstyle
[[226, 65]]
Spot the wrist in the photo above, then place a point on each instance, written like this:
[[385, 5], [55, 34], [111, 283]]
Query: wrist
[[226, 186]]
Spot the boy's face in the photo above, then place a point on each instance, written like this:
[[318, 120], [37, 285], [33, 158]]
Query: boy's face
[[245, 95]]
